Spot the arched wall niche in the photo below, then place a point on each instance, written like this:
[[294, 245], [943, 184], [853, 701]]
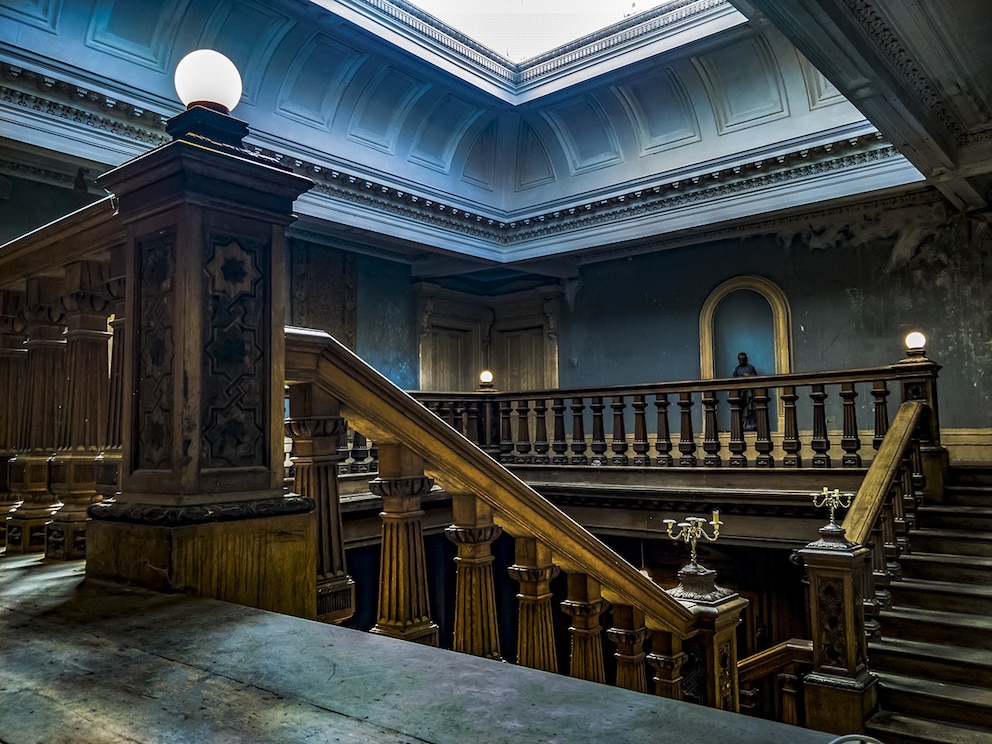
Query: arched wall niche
[[781, 322]]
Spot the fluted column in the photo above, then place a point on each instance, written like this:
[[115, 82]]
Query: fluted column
[[13, 377], [473, 531], [533, 569], [667, 659], [629, 634], [316, 431], [585, 605], [84, 409], [45, 373], [404, 607]]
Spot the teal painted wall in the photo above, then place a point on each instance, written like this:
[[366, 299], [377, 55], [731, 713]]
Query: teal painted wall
[[386, 333]]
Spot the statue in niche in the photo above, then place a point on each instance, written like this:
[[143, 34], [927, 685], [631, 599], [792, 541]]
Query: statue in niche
[[749, 421]]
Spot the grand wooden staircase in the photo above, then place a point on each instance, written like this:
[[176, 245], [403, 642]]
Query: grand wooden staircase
[[934, 660]]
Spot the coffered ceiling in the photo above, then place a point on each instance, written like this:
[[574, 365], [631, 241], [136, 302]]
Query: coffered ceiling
[[428, 148]]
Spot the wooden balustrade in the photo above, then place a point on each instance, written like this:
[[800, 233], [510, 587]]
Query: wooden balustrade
[[771, 681], [605, 594]]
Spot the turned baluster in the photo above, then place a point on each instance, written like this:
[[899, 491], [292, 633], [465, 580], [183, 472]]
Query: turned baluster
[[505, 432], [819, 443], [598, 443], [359, 453], [585, 605], [445, 411], [889, 539], [667, 660], [910, 496], [663, 437], [737, 444], [763, 439], [473, 532], [641, 445], [711, 435], [879, 567], [404, 606], [473, 423], [533, 569], [629, 634], [850, 442], [619, 444], [879, 392], [790, 439], [541, 445], [524, 454], [578, 433], [559, 445], [687, 443]]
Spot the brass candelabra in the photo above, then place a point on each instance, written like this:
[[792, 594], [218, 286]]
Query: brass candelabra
[[832, 499], [692, 531]]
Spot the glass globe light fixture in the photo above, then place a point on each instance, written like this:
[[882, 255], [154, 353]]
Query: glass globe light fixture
[[208, 78], [915, 341], [485, 379]]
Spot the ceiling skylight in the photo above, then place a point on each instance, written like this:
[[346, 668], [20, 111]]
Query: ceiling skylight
[[521, 29]]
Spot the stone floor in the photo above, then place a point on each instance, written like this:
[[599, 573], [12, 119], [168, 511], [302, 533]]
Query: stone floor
[[85, 662]]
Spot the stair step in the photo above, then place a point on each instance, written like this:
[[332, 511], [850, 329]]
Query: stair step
[[967, 495], [948, 596], [978, 475], [957, 542], [895, 728], [977, 518], [935, 661], [944, 567], [939, 701], [937, 626]]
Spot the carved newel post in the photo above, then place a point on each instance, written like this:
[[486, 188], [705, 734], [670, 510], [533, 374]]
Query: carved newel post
[[923, 386], [13, 358], [201, 507], [840, 692]]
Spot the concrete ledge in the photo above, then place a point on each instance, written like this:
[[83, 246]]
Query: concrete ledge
[[84, 661]]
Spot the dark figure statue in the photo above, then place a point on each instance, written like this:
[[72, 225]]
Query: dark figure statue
[[748, 418]]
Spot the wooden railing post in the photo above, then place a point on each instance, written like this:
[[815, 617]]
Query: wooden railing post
[[718, 620], [850, 442], [315, 427], [533, 569], [598, 443], [619, 444], [45, 372], [541, 444], [559, 445], [933, 455], [404, 607], [578, 433], [790, 439], [820, 444], [13, 376], [505, 432], [641, 445], [72, 471], [687, 442], [629, 634], [523, 455], [763, 439], [840, 692], [711, 435], [473, 532], [585, 605], [737, 444], [663, 437]]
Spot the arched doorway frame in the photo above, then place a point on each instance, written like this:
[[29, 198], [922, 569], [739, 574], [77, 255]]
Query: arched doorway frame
[[781, 321]]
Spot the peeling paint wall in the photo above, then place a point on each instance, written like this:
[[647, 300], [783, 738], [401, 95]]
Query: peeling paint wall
[[387, 335]]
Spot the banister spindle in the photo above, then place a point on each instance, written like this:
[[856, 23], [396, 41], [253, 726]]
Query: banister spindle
[[641, 445], [505, 432], [541, 445], [737, 444], [359, 453], [711, 434], [850, 442], [763, 439], [598, 443], [578, 433], [663, 435], [585, 605], [473, 532], [524, 454], [879, 392], [629, 633], [619, 444], [559, 445], [473, 423], [790, 440], [687, 443], [820, 444], [534, 569]]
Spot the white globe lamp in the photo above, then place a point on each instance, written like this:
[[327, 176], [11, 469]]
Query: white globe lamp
[[208, 78]]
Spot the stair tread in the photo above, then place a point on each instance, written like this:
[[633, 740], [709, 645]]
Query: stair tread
[[924, 729], [944, 587], [974, 561], [940, 651], [948, 691], [977, 622], [964, 510], [956, 532]]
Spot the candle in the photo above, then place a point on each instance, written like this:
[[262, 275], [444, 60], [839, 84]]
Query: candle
[[716, 516]]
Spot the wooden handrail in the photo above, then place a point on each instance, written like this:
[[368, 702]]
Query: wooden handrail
[[81, 234], [380, 410], [774, 659], [867, 504]]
